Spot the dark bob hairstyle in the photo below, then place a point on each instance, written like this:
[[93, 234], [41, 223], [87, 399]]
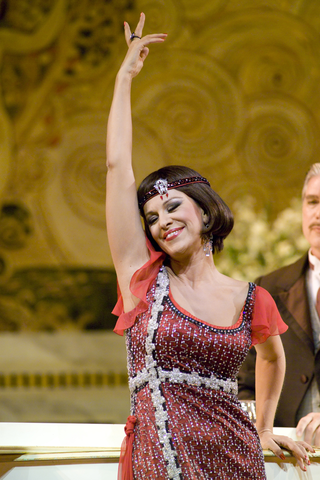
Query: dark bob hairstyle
[[220, 217]]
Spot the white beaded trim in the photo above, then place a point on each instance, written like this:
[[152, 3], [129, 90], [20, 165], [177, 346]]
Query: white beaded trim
[[151, 370], [192, 379]]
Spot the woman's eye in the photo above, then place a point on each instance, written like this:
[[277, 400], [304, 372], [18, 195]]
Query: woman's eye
[[173, 206], [151, 220]]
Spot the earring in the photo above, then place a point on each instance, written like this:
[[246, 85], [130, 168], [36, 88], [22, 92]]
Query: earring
[[207, 247]]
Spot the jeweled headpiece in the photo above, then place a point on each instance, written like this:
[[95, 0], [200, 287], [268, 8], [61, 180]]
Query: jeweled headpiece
[[162, 186]]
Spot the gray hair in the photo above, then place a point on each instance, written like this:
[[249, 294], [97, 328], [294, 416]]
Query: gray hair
[[313, 171]]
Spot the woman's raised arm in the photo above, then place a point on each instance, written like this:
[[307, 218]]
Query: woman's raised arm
[[125, 233]]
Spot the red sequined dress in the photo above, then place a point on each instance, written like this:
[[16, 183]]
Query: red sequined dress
[[183, 383]]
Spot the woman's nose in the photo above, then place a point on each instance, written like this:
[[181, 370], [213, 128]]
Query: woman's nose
[[165, 220]]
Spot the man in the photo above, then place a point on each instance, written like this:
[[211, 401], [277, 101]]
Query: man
[[295, 289]]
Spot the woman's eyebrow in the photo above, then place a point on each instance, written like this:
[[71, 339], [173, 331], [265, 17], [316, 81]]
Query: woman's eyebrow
[[311, 197], [164, 203]]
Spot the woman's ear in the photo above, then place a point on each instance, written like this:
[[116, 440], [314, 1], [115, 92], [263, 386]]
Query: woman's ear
[[205, 217]]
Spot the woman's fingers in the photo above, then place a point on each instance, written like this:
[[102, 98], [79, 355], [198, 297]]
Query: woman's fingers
[[153, 38], [127, 33], [148, 39], [298, 449], [138, 31]]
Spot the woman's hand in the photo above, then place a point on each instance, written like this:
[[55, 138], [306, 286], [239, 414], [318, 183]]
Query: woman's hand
[[299, 449], [138, 47]]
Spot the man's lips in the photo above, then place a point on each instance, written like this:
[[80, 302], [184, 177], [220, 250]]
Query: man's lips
[[315, 226], [173, 233]]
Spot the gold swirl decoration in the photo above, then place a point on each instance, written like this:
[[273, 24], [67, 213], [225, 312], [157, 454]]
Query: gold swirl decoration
[[193, 105], [279, 141], [31, 27], [6, 142], [161, 16], [239, 186], [15, 226], [83, 183], [267, 51], [73, 204], [309, 11], [148, 152], [36, 168], [168, 16], [195, 10]]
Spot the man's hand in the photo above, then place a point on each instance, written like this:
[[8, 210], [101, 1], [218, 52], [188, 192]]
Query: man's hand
[[308, 427]]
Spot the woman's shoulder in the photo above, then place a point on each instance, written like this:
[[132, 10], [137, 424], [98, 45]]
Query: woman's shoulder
[[263, 295]]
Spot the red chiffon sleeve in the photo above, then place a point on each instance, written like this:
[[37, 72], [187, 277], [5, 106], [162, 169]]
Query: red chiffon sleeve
[[140, 283], [266, 319]]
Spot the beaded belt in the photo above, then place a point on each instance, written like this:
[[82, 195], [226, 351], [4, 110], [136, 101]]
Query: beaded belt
[[192, 379]]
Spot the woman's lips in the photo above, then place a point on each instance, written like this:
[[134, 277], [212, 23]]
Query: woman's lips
[[172, 234]]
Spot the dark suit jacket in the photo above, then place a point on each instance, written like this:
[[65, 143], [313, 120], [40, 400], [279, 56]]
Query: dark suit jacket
[[288, 288]]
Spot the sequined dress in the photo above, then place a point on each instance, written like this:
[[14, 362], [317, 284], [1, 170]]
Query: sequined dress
[[183, 384]]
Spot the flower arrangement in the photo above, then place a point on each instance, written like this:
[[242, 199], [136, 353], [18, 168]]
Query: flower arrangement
[[256, 245]]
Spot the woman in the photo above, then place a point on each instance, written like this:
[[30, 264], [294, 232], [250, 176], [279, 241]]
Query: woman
[[188, 327]]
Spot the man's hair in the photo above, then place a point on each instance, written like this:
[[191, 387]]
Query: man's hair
[[313, 171]]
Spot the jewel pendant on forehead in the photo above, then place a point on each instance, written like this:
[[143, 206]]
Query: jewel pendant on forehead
[[161, 186]]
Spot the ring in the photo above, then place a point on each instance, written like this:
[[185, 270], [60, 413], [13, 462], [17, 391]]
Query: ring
[[133, 36]]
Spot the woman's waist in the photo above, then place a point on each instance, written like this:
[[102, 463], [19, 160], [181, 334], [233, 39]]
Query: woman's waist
[[155, 375]]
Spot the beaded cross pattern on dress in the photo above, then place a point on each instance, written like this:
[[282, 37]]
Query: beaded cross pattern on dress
[[162, 186]]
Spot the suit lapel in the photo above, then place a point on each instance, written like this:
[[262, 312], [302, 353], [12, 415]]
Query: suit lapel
[[292, 298]]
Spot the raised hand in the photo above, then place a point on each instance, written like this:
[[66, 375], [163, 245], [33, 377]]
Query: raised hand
[[138, 47]]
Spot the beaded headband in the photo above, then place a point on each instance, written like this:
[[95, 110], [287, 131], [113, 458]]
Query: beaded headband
[[162, 186]]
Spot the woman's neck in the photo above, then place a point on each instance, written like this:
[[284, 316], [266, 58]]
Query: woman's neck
[[198, 269]]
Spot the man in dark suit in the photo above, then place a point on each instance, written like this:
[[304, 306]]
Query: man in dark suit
[[294, 289]]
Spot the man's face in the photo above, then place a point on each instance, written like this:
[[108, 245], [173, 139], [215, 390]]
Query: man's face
[[311, 215]]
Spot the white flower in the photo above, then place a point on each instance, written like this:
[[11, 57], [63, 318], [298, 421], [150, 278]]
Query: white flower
[[257, 246]]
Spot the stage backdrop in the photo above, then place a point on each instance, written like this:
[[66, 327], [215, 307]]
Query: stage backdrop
[[233, 92]]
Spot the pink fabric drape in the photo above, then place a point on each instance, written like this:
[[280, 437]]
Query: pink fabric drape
[[140, 283], [266, 320], [125, 471]]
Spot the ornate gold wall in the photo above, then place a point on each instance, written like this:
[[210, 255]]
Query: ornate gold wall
[[234, 92]]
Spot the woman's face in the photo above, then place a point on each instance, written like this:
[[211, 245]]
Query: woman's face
[[175, 222]]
